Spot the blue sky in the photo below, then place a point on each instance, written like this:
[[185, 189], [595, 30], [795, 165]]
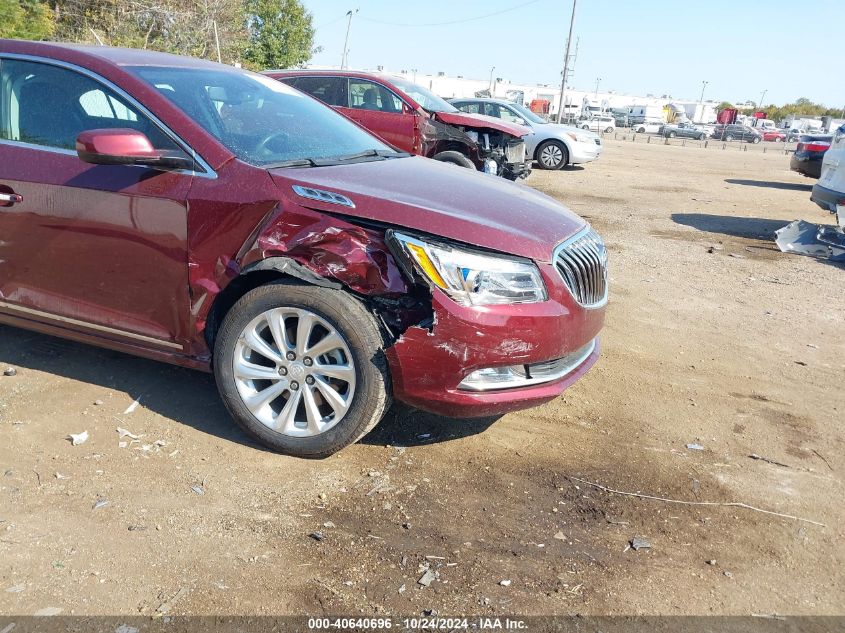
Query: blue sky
[[789, 49]]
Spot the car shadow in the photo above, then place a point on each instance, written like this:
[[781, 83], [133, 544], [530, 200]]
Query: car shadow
[[751, 228], [188, 396], [768, 184]]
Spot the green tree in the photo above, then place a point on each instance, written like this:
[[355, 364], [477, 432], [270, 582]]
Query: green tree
[[724, 105], [281, 34], [26, 19]]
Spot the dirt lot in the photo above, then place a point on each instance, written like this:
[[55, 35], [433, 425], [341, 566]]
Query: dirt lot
[[739, 350]]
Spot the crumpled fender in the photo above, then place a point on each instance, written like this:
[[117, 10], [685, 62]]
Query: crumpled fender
[[328, 247]]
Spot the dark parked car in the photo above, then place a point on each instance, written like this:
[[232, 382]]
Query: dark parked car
[[809, 154], [735, 132], [683, 130], [205, 216], [415, 120]]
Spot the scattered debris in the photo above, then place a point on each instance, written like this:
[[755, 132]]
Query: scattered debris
[[317, 536], [165, 606], [424, 436], [401, 589], [638, 543], [137, 528], [724, 504], [728, 574], [322, 496], [100, 503], [407, 526], [328, 524], [78, 438], [821, 457], [98, 403], [505, 583], [124, 433], [767, 460], [16, 588], [560, 536], [801, 362], [712, 562], [769, 616], [48, 611], [198, 489], [814, 240], [132, 406], [427, 578], [695, 447], [125, 628], [10, 371], [61, 476], [736, 255]]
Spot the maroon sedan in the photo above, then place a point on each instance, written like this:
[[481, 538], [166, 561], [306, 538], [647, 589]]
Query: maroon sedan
[[414, 119], [205, 216]]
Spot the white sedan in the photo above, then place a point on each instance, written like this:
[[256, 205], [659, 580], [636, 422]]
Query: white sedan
[[648, 127], [604, 124]]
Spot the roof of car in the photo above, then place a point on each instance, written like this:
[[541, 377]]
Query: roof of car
[[111, 54], [292, 72], [483, 99]]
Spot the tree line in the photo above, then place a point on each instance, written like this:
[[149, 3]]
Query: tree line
[[802, 107], [257, 34]]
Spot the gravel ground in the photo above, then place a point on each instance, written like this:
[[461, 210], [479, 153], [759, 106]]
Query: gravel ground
[[713, 338]]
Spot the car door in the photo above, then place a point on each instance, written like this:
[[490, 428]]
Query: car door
[[382, 112], [97, 248]]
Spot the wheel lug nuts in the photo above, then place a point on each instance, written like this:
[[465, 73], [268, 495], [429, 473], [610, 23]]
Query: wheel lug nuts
[[290, 356], [283, 371], [307, 362], [309, 380], [294, 385]]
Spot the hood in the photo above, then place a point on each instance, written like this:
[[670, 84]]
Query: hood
[[557, 129], [460, 204], [481, 120]]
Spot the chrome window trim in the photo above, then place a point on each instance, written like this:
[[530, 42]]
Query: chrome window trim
[[87, 324], [590, 306], [207, 172]]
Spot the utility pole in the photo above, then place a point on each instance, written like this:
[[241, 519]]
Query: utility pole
[[560, 104], [598, 81], [762, 96], [344, 60], [490, 87], [703, 86]]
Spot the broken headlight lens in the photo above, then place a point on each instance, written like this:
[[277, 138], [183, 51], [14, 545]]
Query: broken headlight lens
[[471, 278]]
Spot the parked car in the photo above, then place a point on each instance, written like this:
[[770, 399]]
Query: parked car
[[604, 124], [736, 132], [777, 136], [809, 153], [683, 130], [202, 215], [413, 119], [649, 127], [553, 146], [829, 191]]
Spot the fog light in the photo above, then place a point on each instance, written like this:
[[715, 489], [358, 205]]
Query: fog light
[[491, 167], [491, 377]]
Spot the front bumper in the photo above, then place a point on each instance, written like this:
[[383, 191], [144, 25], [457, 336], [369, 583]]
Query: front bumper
[[428, 366], [513, 171], [827, 199], [585, 152]]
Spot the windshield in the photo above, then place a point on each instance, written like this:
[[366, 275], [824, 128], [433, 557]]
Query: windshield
[[260, 120], [527, 114], [427, 99]]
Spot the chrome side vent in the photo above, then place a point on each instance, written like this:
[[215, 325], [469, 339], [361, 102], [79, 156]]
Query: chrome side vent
[[323, 196], [581, 262]]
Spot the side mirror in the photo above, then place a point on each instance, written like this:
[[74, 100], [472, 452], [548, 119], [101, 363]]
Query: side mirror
[[125, 147]]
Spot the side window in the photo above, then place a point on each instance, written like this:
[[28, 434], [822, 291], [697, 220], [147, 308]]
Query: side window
[[367, 95], [329, 90], [47, 105], [509, 115], [471, 108]]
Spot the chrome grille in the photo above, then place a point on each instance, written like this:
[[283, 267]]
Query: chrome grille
[[515, 152], [582, 263]]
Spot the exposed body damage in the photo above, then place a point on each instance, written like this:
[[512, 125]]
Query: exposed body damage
[[479, 144]]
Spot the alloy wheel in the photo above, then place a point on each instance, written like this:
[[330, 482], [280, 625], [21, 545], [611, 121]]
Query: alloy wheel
[[294, 372], [551, 156]]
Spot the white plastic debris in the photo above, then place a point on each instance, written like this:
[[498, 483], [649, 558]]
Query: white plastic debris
[[124, 433], [78, 438], [695, 447], [505, 583]]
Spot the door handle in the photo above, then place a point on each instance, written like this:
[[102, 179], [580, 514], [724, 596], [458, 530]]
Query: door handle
[[10, 198]]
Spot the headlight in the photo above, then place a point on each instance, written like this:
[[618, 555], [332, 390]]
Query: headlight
[[580, 138], [470, 278]]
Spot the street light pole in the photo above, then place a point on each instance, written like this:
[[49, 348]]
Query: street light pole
[[560, 104], [703, 86], [490, 87], [598, 81], [762, 96], [344, 60]]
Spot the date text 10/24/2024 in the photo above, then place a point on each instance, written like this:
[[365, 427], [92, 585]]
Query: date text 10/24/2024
[[418, 624]]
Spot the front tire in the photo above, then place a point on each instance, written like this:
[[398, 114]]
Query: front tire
[[729, 138], [302, 369], [671, 135], [755, 140], [454, 158], [552, 155]]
